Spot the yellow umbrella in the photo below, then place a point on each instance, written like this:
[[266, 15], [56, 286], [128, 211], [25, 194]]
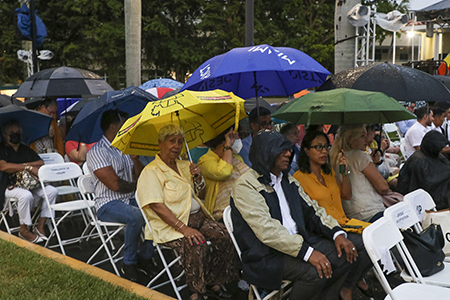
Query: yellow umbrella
[[202, 115]]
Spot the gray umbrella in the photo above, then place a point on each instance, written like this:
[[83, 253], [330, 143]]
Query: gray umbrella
[[5, 100], [398, 82], [63, 82]]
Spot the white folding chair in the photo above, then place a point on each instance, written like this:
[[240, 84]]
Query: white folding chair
[[275, 294], [167, 266], [392, 132], [56, 158], [51, 158], [421, 201], [58, 172], [402, 215], [86, 186], [379, 238], [86, 169], [9, 207]]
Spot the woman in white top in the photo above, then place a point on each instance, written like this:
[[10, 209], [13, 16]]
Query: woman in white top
[[367, 183]]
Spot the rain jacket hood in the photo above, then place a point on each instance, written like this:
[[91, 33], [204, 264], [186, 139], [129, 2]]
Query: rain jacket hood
[[428, 169], [266, 146], [432, 143]]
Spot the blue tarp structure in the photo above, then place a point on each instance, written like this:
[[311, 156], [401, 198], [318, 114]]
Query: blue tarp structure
[[23, 22]]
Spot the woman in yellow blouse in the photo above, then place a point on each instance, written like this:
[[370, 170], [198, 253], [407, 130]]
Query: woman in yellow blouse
[[179, 219], [221, 167], [319, 181]]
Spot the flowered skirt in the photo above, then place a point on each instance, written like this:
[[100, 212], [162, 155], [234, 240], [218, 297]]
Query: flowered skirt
[[209, 263]]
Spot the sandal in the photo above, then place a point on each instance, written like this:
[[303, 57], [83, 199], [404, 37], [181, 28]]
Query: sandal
[[35, 241], [39, 234], [220, 294]]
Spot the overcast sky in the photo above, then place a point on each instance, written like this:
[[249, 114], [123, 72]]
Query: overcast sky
[[419, 4]]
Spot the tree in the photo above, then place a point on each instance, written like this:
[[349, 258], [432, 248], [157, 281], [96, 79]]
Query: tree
[[87, 34], [171, 38], [307, 25], [11, 68]]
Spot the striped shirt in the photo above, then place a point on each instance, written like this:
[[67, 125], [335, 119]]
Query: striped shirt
[[103, 155]]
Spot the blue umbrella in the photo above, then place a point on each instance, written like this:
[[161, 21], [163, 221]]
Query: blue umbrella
[[86, 127], [162, 82], [258, 71], [34, 124]]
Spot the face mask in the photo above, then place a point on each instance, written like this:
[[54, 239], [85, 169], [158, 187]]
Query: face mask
[[237, 146], [15, 138]]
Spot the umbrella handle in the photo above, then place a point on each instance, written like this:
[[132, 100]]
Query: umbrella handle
[[189, 154]]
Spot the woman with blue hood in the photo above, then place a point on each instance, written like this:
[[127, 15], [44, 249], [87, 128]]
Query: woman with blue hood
[[282, 233], [428, 169]]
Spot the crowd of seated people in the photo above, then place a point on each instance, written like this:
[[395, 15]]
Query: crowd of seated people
[[298, 206]]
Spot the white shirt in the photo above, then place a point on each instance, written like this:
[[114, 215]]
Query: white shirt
[[286, 217], [413, 138]]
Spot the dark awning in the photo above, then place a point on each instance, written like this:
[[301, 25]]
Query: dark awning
[[437, 11]]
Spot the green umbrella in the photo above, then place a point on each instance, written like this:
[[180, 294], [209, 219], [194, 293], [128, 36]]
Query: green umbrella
[[343, 106]]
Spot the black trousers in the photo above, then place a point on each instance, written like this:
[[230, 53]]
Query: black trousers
[[307, 284], [363, 262]]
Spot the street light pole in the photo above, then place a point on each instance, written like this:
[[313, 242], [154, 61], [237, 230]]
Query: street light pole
[[133, 12], [249, 22], [33, 37]]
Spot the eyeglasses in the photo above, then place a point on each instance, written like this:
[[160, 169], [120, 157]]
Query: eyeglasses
[[320, 147], [266, 124]]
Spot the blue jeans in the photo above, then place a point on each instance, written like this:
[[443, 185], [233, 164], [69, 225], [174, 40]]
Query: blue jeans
[[129, 214]]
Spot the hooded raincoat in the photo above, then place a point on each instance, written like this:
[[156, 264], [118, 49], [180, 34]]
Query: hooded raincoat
[[428, 169], [257, 217]]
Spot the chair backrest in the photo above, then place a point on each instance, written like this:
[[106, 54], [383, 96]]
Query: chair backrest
[[149, 228], [86, 169], [380, 237], [402, 215], [51, 158], [229, 225], [59, 172], [86, 186], [420, 201]]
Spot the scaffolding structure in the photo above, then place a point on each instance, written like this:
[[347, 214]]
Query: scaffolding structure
[[365, 44]]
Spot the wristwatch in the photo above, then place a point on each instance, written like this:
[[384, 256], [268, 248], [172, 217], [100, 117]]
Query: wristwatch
[[227, 148]]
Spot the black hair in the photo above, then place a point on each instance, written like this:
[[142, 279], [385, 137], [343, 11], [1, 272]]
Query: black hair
[[422, 112], [253, 115], [48, 102], [212, 144], [438, 111], [441, 104], [303, 158], [111, 116], [286, 128]]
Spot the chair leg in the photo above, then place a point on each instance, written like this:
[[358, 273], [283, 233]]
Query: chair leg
[[169, 273]]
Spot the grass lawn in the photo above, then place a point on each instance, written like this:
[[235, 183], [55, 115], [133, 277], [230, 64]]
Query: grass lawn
[[27, 275]]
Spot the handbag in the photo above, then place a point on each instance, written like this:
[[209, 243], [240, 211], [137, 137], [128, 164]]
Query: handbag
[[25, 180], [441, 217], [426, 248]]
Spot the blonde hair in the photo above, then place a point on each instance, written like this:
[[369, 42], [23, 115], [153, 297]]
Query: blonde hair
[[170, 129], [350, 133]]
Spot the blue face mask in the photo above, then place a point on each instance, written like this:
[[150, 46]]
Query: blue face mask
[[15, 138]]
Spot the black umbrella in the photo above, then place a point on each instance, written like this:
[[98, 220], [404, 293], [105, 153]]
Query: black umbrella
[[398, 82], [63, 82], [34, 124], [445, 80], [5, 100]]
